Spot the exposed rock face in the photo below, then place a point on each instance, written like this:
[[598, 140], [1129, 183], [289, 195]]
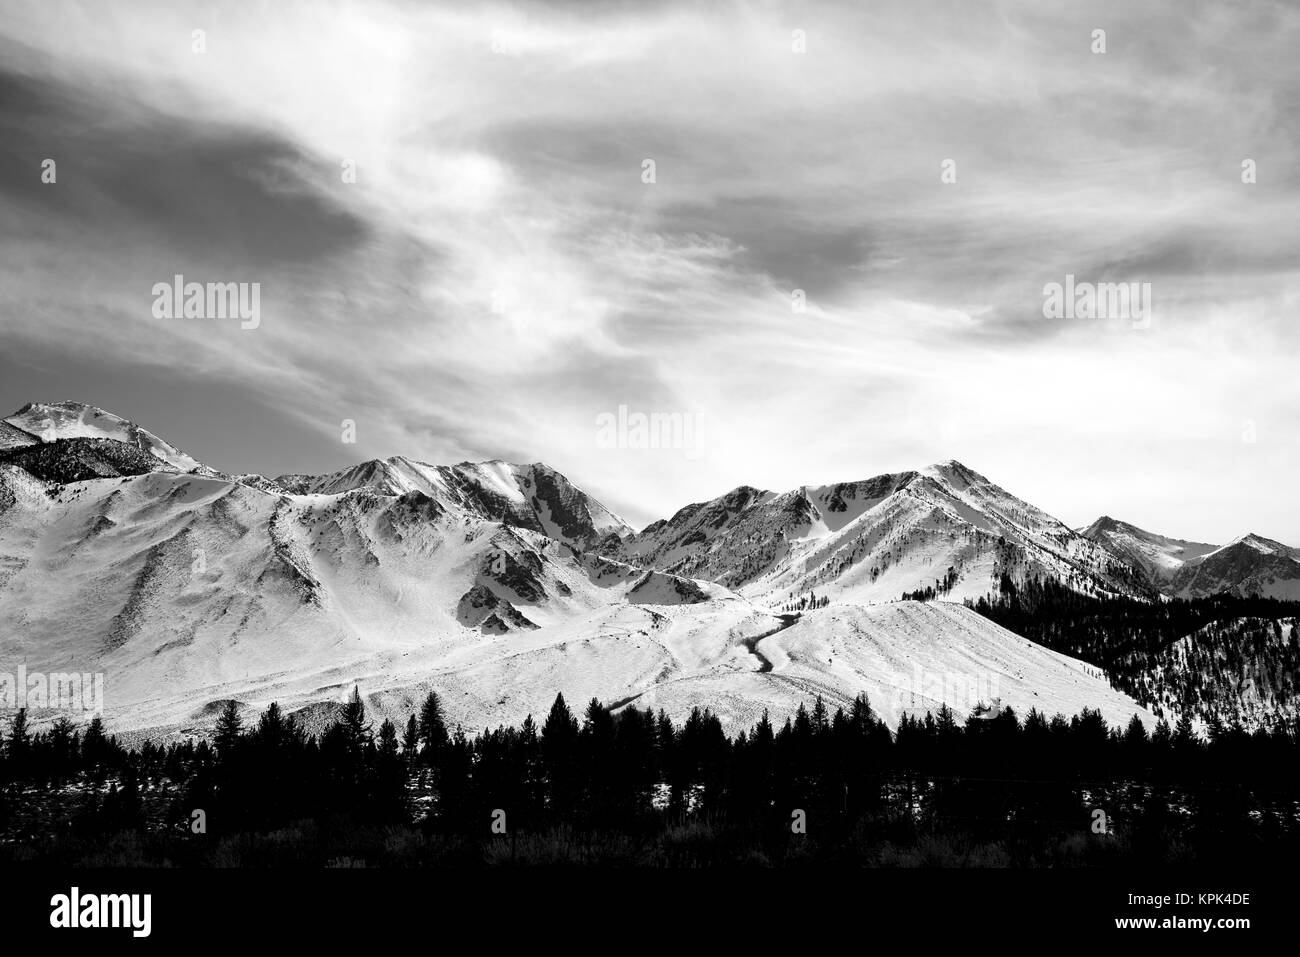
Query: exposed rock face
[[77, 460], [481, 608]]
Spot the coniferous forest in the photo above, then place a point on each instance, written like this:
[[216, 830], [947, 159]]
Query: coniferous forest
[[1222, 658], [633, 788]]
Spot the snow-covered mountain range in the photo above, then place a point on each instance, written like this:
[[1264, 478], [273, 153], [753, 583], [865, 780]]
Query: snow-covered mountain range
[[1249, 564], [944, 527], [501, 584]]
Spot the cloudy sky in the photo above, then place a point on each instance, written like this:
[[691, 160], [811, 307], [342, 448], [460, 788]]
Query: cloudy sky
[[500, 274]]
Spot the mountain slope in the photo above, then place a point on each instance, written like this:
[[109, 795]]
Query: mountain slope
[[534, 496], [501, 584], [74, 420], [1248, 565], [945, 527], [1245, 669], [178, 586], [1157, 556], [12, 437], [76, 460], [186, 590]]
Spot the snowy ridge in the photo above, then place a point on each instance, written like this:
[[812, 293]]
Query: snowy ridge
[[1250, 564], [874, 540], [1158, 556], [501, 584], [74, 420], [530, 496]]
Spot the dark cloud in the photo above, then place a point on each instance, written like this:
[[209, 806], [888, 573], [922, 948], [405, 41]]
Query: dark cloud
[[202, 192]]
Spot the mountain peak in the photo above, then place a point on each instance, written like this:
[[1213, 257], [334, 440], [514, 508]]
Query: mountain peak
[[1106, 524], [48, 421], [953, 473], [62, 409], [950, 467], [1261, 544]]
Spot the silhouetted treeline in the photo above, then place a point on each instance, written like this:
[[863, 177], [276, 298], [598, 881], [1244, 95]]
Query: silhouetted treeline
[[1130, 639], [630, 771]]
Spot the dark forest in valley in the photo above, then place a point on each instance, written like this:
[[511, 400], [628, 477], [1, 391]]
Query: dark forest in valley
[[633, 788], [1174, 656]]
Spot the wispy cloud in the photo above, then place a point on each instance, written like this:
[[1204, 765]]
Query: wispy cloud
[[500, 273]]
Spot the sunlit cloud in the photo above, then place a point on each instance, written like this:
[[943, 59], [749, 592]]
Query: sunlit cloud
[[499, 272]]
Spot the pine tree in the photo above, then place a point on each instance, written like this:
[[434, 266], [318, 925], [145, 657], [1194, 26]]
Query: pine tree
[[356, 730], [94, 746], [19, 744], [433, 729], [819, 720], [62, 749], [1184, 739], [411, 740], [860, 715], [229, 728], [271, 727], [559, 742], [388, 748], [561, 728], [1163, 736], [1135, 735]]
